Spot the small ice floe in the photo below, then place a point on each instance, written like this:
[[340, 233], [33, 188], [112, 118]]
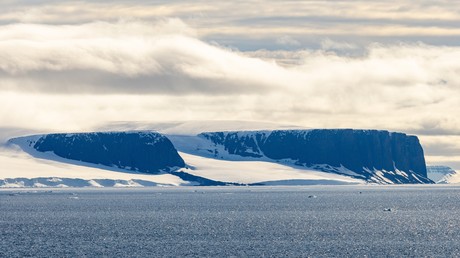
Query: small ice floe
[[74, 197], [196, 191], [388, 209], [312, 196]]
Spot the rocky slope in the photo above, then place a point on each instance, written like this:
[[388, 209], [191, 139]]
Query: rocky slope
[[377, 156], [146, 152]]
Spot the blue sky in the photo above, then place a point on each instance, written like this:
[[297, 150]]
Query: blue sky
[[325, 64]]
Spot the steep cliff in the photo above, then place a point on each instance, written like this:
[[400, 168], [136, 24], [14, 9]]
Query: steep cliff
[[378, 156], [146, 152]]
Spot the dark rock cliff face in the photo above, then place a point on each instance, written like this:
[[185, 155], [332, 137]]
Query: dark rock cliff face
[[147, 152], [370, 153]]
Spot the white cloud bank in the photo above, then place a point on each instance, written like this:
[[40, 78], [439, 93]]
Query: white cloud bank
[[122, 57], [167, 58]]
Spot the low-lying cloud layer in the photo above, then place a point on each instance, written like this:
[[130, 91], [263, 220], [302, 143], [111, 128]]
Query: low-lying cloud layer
[[166, 58], [123, 57]]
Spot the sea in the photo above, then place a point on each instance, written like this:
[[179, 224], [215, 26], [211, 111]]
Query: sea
[[233, 221]]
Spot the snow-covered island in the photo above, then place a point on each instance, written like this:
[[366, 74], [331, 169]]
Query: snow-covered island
[[184, 155]]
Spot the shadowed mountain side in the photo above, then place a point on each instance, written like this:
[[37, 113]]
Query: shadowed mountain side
[[380, 156], [144, 152]]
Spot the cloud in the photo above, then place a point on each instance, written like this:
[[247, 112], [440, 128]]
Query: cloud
[[166, 57], [441, 146], [383, 87], [287, 40], [329, 44], [238, 25], [122, 57]]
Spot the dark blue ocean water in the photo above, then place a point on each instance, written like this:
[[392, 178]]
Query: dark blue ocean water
[[334, 221]]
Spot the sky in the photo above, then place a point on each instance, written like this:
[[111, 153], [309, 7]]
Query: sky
[[391, 65]]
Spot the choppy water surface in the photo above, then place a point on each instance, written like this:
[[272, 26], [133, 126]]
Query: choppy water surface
[[232, 221]]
